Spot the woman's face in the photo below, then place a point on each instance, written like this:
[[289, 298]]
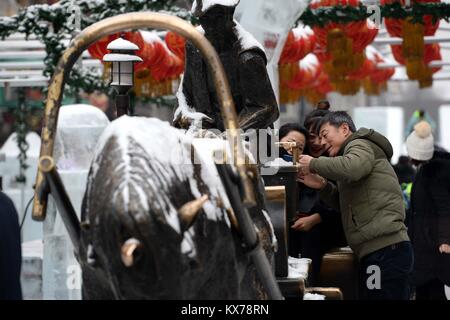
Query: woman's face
[[315, 147], [297, 137]]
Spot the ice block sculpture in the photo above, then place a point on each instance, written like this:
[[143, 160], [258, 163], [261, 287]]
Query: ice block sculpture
[[21, 193], [79, 129]]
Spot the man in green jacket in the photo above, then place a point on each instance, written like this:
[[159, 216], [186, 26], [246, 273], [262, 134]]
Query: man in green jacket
[[367, 193]]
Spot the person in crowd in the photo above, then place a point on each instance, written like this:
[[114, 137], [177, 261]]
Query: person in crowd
[[404, 170], [367, 194], [405, 173], [311, 122], [10, 251], [292, 132], [430, 219], [334, 234], [312, 232]]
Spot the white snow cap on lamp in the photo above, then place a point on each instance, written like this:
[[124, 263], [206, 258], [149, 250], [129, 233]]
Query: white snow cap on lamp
[[199, 7]]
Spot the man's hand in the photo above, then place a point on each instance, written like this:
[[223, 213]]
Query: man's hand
[[313, 181], [303, 164], [444, 248], [306, 223]]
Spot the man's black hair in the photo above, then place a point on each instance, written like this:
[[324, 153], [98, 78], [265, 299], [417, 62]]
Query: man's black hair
[[336, 119], [288, 127], [313, 119]]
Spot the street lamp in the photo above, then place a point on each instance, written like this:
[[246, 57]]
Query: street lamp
[[123, 58]]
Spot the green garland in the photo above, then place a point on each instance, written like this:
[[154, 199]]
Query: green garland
[[337, 14], [21, 129], [345, 14], [439, 11], [49, 25]]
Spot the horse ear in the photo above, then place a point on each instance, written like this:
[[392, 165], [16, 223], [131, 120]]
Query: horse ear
[[127, 251], [189, 212]]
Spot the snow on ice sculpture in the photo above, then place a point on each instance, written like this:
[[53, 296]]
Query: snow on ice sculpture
[[142, 174], [79, 128]]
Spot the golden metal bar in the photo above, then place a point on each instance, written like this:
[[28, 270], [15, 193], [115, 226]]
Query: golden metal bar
[[134, 21], [286, 144], [329, 293], [276, 193], [292, 288], [290, 145], [68, 215], [295, 155]]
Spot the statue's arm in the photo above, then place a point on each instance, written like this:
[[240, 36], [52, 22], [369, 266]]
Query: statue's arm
[[184, 95], [260, 105], [186, 114]]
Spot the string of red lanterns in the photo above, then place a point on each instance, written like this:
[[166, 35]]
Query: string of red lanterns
[[314, 62], [413, 52]]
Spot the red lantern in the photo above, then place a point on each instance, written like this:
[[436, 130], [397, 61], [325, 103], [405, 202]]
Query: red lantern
[[156, 52], [359, 31], [299, 43], [323, 84], [138, 40], [176, 44], [98, 49], [431, 53], [364, 36], [413, 53], [309, 81], [319, 88], [341, 45], [308, 73], [170, 67]]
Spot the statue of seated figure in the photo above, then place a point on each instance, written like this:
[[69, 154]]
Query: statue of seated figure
[[244, 61]]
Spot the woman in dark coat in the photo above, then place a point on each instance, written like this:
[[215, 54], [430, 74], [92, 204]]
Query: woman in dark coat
[[430, 225], [10, 251]]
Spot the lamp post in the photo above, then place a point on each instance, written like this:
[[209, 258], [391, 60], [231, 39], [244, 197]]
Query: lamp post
[[122, 57]]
